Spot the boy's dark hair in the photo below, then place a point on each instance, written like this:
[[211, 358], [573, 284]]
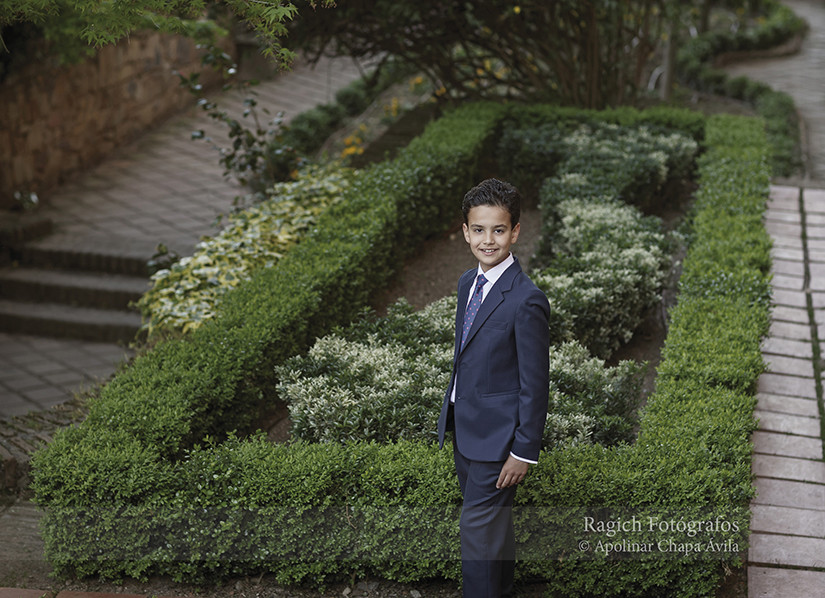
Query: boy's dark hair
[[493, 192]]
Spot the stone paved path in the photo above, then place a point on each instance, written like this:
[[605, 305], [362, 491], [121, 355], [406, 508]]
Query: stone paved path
[[164, 188], [801, 76], [787, 552]]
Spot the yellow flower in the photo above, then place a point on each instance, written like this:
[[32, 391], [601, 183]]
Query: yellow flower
[[517, 9]]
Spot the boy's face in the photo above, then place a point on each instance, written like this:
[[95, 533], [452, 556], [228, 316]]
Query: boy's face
[[490, 234]]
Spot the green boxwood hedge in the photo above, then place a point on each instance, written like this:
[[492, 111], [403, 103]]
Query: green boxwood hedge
[[136, 490]]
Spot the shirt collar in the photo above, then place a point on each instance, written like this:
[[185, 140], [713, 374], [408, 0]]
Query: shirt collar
[[494, 273]]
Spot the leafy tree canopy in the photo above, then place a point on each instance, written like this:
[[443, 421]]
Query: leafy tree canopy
[[590, 53], [71, 24]]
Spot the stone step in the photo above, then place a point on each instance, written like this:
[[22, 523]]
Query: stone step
[[87, 289], [17, 228], [56, 320], [92, 253]]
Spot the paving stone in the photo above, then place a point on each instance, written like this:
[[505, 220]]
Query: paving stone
[[789, 551], [787, 521], [790, 330], [14, 404], [791, 366], [817, 300], [787, 347], [773, 582], [788, 468], [784, 493], [792, 283], [814, 232], [19, 532], [783, 313], [816, 256], [813, 200], [788, 424], [790, 298], [786, 404], [790, 215], [783, 229], [64, 378], [786, 385], [788, 268], [817, 271], [815, 245], [783, 197], [786, 242], [815, 218], [775, 443], [788, 253], [48, 395], [23, 383]]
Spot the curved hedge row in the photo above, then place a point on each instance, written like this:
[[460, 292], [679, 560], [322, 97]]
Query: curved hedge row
[[131, 492], [695, 66]]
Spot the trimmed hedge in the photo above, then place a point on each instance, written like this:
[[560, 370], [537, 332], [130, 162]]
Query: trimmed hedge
[[126, 494]]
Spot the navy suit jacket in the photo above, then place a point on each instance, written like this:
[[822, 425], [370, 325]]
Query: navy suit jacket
[[501, 374]]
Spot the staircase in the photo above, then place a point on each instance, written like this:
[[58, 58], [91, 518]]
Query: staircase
[[62, 287]]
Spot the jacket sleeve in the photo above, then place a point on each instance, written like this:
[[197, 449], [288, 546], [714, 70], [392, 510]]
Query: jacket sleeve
[[532, 334]]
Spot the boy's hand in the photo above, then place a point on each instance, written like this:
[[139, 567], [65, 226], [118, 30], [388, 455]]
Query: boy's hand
[[512, 473]]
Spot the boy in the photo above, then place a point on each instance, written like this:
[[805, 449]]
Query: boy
[[496, 403]]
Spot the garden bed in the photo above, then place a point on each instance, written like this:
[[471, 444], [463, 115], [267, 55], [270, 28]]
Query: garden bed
[[136, 466]]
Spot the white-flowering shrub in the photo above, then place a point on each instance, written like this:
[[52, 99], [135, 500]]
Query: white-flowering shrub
[[604, 262], [384, 379], [631, 163], [608, 269]]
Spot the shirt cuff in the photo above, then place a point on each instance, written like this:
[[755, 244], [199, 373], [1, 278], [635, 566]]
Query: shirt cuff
[[522, 459]]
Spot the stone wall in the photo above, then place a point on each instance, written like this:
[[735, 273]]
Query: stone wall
[[56, 121]]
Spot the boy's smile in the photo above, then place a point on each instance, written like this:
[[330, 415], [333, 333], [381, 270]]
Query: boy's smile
[[490, 234]]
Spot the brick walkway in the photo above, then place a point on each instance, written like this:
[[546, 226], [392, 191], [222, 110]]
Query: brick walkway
[[787, 552]]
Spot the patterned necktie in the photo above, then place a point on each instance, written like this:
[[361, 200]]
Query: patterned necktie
[[472, 309]]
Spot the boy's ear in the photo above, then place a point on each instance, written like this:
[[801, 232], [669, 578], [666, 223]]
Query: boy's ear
[[516, 230], [466, 230]]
